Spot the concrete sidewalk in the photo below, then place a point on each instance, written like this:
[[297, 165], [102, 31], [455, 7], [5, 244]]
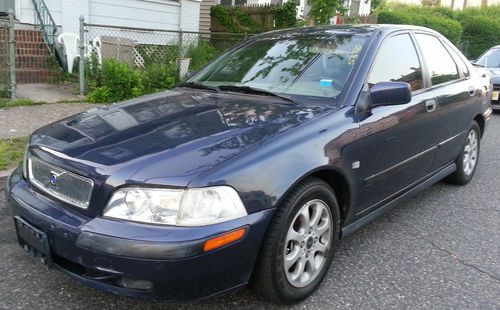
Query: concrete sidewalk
[[22, 121], [50, 93]]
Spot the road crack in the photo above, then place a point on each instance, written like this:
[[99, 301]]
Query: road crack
[[417, 233]]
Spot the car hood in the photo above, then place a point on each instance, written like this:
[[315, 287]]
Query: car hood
[[169, 136]]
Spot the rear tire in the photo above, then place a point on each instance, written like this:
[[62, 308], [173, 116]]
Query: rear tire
[[299, 244], [468, 159]]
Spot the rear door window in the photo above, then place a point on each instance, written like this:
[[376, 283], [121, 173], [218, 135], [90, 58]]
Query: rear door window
[[441, 66]]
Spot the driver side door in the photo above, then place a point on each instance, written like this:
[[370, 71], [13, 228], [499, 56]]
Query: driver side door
[[397, 144]]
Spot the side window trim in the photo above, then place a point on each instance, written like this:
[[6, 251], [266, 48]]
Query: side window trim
[[384, 40], [458, 59], [426, 76], [431, 86]]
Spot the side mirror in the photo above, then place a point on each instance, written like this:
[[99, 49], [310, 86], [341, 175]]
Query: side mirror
[[390, 93]]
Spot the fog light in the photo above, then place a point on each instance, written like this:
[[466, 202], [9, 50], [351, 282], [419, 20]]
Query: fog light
[[136, 284]]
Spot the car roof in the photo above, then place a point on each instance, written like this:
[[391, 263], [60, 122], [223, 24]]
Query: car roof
[[345, 29]]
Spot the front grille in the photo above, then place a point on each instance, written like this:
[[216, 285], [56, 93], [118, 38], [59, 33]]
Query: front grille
[[64, 185]]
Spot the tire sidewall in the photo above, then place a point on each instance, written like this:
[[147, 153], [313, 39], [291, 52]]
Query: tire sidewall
[[288, 293], [460, 160]]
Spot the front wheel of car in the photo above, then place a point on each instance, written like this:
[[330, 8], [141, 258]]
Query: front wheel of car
[[468, 159], [299, 244]]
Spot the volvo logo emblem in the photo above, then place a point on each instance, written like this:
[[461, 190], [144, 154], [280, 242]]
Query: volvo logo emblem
[[53, 178]]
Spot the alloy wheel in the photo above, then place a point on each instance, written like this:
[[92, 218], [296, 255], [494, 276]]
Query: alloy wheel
[[470, 153], [307, 243]]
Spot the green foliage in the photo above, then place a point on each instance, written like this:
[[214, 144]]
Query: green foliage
[[480, 33], [159, 77], [481, 29], [7, 103], [201, 54], [12, 152], [378, 5], [322, 10], [118, 81], [235, 20], [434, 18], [285, 16], [475, 29]]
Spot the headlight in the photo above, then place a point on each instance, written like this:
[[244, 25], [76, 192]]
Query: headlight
[[25, 163], [191, 207]]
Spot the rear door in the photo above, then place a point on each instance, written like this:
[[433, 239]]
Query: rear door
[[397, 147], [455, 93]]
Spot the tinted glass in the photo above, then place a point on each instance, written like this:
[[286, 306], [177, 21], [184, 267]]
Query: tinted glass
[[397, 61], [490, 59], [442, 68], [297, 65]]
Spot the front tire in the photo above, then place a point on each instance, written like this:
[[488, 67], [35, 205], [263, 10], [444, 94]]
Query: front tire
[[299, 244], [468, 159]]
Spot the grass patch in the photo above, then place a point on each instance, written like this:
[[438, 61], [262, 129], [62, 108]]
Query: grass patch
[[12, 152], [7, 103]]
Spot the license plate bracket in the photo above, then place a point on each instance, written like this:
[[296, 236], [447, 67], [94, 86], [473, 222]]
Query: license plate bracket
[[495, 95], [34, 241]]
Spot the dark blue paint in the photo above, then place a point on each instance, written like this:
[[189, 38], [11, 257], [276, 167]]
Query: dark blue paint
[[388, 93], [259, 145]]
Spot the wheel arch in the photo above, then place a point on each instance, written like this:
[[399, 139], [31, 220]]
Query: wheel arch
[[481, 122], [338, 182]]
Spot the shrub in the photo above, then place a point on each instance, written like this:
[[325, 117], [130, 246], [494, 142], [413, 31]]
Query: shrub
[[201, 54], [159, 77], [451, 29], [235, 20], [119, 81], [480, 33], [285, 16]]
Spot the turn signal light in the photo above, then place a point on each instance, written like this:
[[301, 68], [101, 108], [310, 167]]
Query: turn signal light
[[224, 239]]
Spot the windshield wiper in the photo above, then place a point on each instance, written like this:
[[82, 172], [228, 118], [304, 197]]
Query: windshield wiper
[[254, 91], [198, 86]]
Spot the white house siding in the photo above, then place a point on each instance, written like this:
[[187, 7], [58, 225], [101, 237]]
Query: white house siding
[[160, 14], [71, 12], [25, 10], [153, 14], [190, 15]]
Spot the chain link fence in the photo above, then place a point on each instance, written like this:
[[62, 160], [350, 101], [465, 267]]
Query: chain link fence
[[142, 48], [7, 58]]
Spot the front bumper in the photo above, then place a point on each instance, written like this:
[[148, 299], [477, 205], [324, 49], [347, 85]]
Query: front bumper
[[105, 254]]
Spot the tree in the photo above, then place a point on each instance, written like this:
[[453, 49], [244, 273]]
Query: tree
[[323, 10]]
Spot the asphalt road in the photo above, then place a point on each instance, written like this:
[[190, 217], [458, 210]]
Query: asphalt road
[[440, 249]]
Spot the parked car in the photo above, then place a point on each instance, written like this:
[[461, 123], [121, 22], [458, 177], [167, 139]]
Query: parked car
[[490, 60], [252, 170]]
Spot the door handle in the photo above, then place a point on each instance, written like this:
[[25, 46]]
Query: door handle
[[431, 105], [472, 91]]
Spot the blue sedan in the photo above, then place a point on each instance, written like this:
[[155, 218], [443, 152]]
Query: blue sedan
[[252, 170]]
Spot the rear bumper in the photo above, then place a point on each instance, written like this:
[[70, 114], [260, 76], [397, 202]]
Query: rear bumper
[[104, 253]]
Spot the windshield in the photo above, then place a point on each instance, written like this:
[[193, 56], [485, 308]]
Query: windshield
[[301, 66], [490, 59]]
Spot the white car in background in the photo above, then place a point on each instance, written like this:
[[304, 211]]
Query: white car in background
[[490, 61]]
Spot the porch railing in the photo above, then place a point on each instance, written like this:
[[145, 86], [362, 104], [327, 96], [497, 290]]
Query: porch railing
[[45, 22]]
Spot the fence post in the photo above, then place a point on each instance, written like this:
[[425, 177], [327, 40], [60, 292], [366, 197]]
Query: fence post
[[181, 45], [12, 55], [81, 69]]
